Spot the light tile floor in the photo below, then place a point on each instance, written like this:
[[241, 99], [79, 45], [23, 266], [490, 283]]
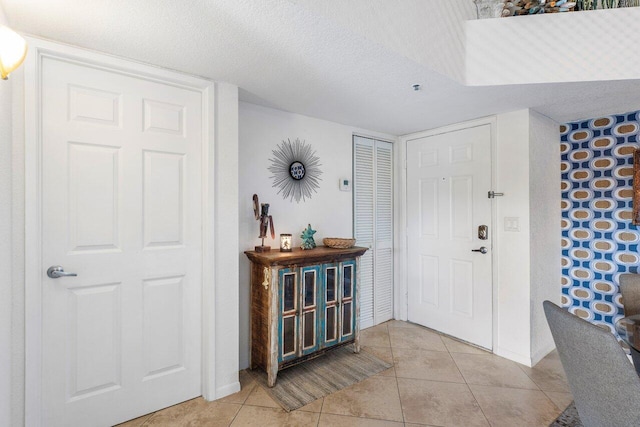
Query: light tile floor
[[435, 381]]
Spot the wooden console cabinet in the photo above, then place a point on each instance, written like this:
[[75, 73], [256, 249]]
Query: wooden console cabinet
[[302, 303]]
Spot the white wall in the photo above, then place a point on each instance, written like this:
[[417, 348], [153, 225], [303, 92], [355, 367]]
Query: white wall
[[545, 197], [18, 251], [5, 248], [11, 248], [528, 261], [226, 240], [603, 47], [329, 211], [512, 258]]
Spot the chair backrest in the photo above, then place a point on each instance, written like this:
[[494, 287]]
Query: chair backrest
[[604, 384], [630, 289]]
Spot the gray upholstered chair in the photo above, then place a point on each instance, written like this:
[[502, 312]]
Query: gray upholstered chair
[[604, 384], [630, 290]]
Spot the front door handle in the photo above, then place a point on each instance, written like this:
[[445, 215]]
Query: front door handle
[[482, 250], [56, 271]]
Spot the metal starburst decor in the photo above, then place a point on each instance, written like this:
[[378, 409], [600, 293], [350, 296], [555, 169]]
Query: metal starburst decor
[[296, 170]]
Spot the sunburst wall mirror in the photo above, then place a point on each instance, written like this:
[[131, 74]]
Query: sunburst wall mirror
[[296, 170]]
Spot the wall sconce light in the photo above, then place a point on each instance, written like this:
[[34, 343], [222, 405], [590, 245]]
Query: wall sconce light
[[285, 243], [13, 50]]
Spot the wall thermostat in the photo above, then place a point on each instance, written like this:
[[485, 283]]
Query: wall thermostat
[[345, 184]]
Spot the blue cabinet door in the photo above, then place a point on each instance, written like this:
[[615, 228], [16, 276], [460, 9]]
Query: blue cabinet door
[[310, 306], [347, 294], [316, 308], [330, 295], [288, 315]]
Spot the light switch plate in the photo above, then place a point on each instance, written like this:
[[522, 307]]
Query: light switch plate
[[345, 184], [511, 223]]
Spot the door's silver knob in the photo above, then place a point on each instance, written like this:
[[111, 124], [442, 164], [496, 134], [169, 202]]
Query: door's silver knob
[[56, 271], [482, 250]]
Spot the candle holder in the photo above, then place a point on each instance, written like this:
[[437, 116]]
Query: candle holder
[[285, 243]]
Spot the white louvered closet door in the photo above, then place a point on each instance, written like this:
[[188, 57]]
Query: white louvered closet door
[[373, 225]]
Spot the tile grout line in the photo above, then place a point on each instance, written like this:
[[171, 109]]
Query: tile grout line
[[370, 418], [236, 415], [556, 405], [479, 406], [528, 376], [540, 388], [460, 370], [544, 392], [470, 391], [320, 413], [244, 401], [395, 376], [321, 409], [521, 369]]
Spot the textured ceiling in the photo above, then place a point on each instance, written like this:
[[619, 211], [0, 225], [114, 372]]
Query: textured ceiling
[[430, 33], [351, 62]]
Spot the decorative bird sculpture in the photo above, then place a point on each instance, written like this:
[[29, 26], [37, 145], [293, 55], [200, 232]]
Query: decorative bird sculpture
[[261, 212]]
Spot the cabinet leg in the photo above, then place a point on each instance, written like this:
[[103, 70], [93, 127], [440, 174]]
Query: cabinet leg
[[271, 377], [356, 345]]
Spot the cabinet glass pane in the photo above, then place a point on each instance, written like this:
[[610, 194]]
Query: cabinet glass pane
[[330, 333], [346, 319], [347, 273], [288, 335], [309, 338], [331, 284], [289, 292], [309, 288]]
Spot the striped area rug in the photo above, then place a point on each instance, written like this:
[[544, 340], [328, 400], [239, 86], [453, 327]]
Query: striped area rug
[[300, 385]]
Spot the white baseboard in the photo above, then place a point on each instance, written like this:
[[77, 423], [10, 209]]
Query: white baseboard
[[227, 390], [516, 357], [540, 354]]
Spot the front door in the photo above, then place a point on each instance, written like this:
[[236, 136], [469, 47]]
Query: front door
[[450, 286], [121, 208]]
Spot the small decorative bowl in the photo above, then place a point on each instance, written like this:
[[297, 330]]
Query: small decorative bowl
[[338, 243]]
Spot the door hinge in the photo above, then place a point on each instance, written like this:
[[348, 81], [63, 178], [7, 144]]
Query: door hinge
[[493, 194]]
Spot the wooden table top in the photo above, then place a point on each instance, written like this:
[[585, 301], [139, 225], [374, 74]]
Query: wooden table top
[[308, 256]]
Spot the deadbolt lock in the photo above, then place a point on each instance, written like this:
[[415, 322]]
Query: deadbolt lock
[[483, 232]]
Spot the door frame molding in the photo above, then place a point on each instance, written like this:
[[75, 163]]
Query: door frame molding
[[402, 291], [40, 49]]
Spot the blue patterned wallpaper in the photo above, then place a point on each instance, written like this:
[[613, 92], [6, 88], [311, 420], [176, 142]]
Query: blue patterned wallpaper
[[598, 241]]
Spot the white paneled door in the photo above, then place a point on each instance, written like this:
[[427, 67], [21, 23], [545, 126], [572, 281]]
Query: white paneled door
[[122, 209], [373, 227], [450, 279]]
